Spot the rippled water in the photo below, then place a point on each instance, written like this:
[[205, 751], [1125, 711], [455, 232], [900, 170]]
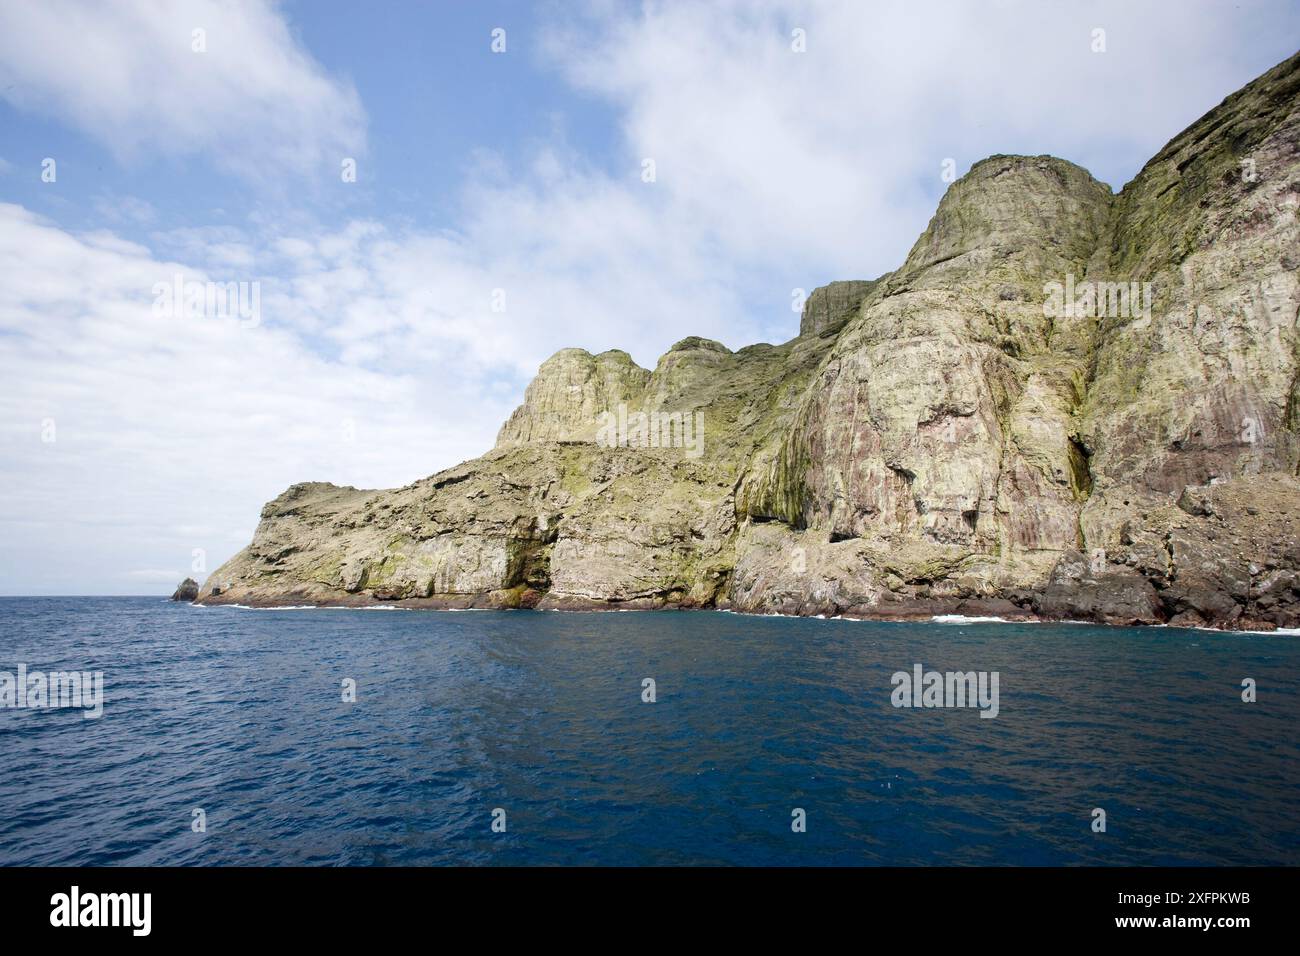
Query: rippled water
[[240, 713]]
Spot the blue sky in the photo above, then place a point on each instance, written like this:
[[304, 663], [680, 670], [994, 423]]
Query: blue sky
[[130, 440], [434, 96]]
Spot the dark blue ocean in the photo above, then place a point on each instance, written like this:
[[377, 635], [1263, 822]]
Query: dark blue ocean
[[240, 713]]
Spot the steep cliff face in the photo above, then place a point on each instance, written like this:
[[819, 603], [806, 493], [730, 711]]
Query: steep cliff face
[[942, 416], [1203, 388], [1065, 403], [829, 307]]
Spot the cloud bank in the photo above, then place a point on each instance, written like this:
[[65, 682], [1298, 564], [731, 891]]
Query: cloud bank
[[224, 80], [387, 350]]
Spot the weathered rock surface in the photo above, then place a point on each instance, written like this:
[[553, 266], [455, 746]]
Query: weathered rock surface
[[187, 590], [829, 307], [571, 389], [1066, 403]]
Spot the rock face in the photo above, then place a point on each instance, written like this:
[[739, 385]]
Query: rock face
[[1066, 403], [187, 590], [830, 306], [571, 389]]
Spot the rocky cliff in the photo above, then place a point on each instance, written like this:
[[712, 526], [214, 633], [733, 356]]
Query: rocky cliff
[[1066, 403]]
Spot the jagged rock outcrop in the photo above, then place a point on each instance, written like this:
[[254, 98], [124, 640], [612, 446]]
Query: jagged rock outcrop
[[187, 590], [830, 306], [571, 388], [1066, 403]]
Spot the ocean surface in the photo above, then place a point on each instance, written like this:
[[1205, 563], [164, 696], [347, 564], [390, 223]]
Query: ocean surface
[[240, 713]]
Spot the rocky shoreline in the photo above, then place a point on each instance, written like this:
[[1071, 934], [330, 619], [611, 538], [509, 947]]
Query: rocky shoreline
[[1182, 567], [955, 613]]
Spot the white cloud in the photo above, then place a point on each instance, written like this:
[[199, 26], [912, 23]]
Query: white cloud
[[169, 433], [126, 73], [831, 157], [775, 170]]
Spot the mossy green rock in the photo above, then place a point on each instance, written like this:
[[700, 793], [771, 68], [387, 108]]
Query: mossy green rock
[[937, 440]]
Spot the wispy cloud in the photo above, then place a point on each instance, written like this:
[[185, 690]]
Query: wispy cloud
[[387, 350], [817, 132], [224, 79], [129, 438]]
